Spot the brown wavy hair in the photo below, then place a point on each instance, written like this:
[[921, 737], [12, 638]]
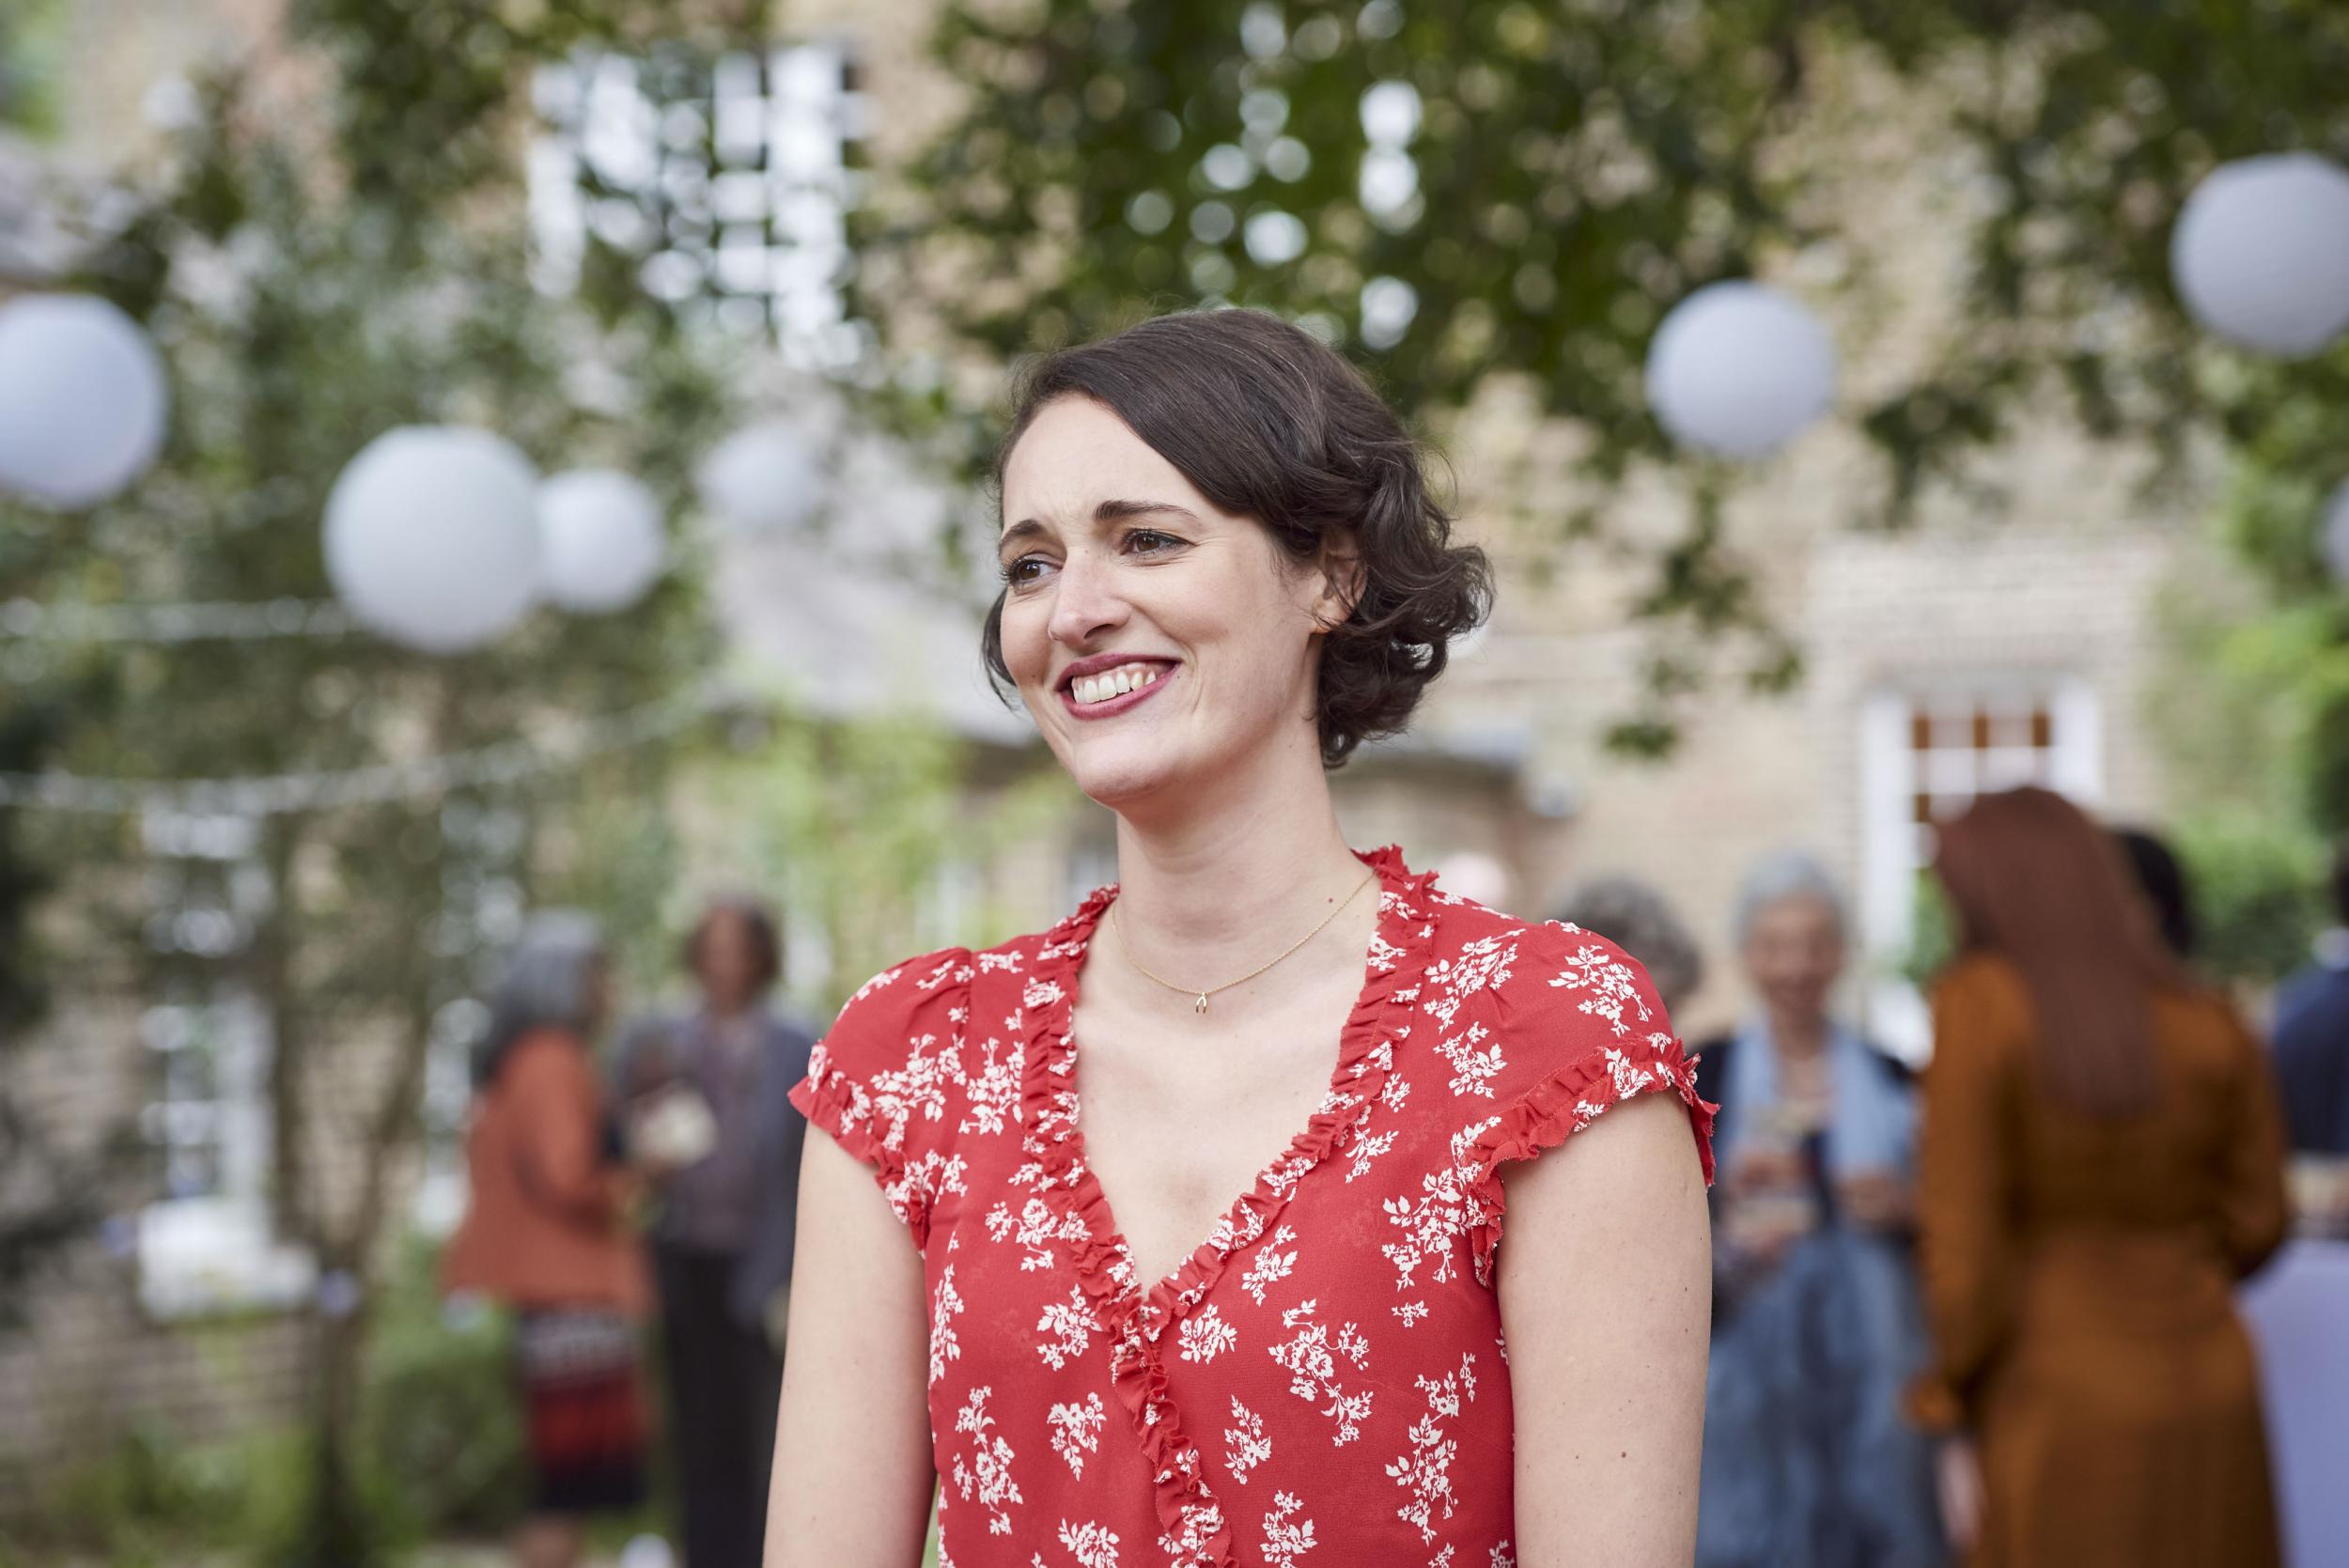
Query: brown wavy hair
[[1269, 423], [2034, 881]]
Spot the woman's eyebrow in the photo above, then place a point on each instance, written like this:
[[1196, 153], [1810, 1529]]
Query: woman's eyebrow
[[1018, 533], [1108, 511], [1112, 511]]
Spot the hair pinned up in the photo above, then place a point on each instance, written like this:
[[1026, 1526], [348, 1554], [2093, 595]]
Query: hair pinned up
[[1269, 423]]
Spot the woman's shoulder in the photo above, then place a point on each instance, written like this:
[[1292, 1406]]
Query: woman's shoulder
[[1551, 967], [1983, 1012], [903, 992], [1542, 1002]]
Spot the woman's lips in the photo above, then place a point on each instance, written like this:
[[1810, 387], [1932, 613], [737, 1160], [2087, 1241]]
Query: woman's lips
[[1116, 706]]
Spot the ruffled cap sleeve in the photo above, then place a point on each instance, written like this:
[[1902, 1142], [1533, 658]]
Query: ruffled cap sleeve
[[873, 1083], [1586, 1032]]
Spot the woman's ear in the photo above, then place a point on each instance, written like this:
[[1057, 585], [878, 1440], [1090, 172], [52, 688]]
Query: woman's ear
[[1342, 580]]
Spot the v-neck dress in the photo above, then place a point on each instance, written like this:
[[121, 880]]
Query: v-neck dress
[[1323, 1382]]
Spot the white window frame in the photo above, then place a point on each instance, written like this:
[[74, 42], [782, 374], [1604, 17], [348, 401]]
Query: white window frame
[[755, 231], [212, 1251], [1889, 860]]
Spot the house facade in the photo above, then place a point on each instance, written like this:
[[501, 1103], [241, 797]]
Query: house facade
[[2004, 637]]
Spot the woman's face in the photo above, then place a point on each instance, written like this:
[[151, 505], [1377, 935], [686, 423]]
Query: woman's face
[[1794, 952], [1158, 640]]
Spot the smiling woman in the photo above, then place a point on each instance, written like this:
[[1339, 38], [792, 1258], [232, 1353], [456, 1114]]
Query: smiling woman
[[1266, 424], [1222, 571]]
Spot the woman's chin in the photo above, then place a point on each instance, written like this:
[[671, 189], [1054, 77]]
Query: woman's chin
[[1123, 778]]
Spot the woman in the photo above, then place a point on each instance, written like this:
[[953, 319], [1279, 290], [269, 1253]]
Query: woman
[[2101, 1162], [543, 1233], [1816, 1323], [711, 1127], [1222, 571]]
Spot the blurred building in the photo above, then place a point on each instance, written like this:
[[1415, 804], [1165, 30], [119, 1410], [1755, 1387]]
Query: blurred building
[[2005, 638]]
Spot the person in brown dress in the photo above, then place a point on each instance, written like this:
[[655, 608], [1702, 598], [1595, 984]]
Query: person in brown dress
[[2101, 1162]]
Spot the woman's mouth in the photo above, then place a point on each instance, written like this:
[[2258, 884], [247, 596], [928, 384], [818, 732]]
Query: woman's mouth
[[1115, 690]]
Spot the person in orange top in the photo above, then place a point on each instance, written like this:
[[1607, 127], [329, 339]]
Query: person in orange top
[[545, 1234], [2101, 1161]]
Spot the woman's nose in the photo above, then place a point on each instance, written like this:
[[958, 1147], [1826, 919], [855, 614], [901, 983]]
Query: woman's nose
[[1085, 604]]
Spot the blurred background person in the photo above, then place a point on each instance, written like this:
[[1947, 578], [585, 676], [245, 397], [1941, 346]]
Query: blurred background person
[[2102, 1160], [2312, 1035], [1816, 1319], [1639, 920], [710, 1123], [2311, 1040], [545, 1234]]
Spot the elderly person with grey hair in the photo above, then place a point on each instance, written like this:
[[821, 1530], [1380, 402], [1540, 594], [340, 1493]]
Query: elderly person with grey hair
[[545, 1234], [1816, 1317]]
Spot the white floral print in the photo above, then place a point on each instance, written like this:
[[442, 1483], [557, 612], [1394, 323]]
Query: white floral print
[[1272, 1266], [1076, 1431], [993, 1096], [1206, 1336], [1089, 1545], [1070, 1324], [989, 1473], [1472, 1070], [1033, 1230], [1285, 1539], [1245, 1445], [1312, 1362], [1356, 1268], [946, 1305], [1426, 1472]]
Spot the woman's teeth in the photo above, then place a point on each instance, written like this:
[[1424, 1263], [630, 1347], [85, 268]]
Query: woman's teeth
[[1114, 683]]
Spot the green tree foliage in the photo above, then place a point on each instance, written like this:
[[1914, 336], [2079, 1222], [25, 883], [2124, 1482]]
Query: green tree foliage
[[857, 824], [1577, 168], [306, 300]]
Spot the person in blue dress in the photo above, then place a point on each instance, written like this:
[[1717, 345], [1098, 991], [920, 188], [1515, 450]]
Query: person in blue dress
[[1817, 1321]]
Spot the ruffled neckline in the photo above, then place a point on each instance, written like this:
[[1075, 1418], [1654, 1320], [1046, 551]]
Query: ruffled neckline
[[1134, 1313], [1398, 948]]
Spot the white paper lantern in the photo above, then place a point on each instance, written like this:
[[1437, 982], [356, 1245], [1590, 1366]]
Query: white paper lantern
[[1738, 369], [762, 477], [433, 537], [600, 544], [83, 400], [2334, 540], [2261, 252]]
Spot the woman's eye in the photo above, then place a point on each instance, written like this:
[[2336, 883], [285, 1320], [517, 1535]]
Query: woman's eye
[[1024, 570], [1150, 540]]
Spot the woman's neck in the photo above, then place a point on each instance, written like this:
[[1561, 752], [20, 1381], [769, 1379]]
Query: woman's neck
[[1244, 871]]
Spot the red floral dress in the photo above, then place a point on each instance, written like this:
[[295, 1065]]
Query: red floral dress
[[1323, 1383]]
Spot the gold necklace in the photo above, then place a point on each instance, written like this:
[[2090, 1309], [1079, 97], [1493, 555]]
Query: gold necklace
[[1199, 998]]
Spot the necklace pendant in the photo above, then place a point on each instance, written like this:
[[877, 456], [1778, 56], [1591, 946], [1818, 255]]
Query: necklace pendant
[[1200, 1005]]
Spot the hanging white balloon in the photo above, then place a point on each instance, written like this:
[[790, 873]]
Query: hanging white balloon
[[83, 400], [2261, 252], [762, 477], [2334, 539], [433, 537], [602, 547], [1738, 369]]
